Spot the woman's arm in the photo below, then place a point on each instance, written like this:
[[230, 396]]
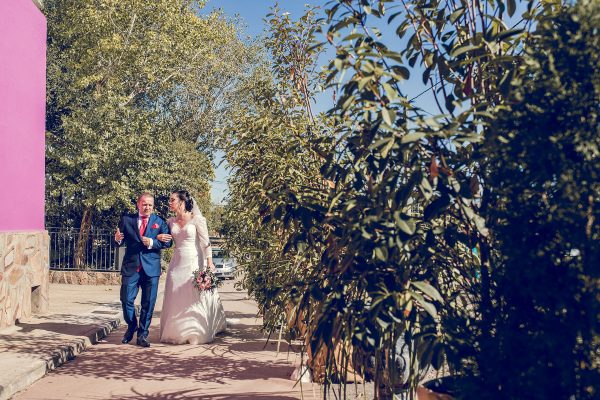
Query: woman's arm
[[203, 240]]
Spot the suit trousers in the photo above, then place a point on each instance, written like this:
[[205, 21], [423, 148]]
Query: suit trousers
[[130, 286]]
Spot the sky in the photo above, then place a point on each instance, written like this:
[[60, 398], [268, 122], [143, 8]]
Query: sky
[[254, 11]]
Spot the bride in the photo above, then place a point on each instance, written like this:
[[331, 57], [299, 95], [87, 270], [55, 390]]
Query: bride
[[189, 316]]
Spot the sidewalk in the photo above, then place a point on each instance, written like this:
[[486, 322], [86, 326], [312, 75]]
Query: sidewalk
[[79, 317], [238, 365]]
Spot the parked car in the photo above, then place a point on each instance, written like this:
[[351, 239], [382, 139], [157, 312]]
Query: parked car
[[225, 266]]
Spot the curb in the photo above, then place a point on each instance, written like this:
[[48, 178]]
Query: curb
[[63, 354]]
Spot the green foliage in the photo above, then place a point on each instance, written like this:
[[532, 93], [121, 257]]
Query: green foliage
[[215, 220], [395, 231], [291, 44], [136, 90], [380, 224], [546, 213], [267, 147]]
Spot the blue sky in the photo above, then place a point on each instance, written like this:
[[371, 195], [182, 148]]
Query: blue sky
[[253, 11]]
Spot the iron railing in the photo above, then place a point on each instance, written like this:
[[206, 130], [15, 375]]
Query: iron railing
[[100, 252]]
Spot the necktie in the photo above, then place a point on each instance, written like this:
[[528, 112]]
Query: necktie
[[143, 225]]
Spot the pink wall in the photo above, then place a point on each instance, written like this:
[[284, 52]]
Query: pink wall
[[22, 115]]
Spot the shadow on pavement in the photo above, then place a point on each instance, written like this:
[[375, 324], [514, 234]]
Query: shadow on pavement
[[40, 346], [66, 324], [111, 304], [157, 366], [221, 361], [239, 315], [195, 394]]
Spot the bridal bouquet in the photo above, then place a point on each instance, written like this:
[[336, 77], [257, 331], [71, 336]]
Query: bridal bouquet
[[205, 280]]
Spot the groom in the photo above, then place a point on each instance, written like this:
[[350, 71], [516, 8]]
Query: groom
[[141, 265]]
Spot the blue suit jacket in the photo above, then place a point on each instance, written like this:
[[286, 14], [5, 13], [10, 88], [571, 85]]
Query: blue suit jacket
[[137, 254]]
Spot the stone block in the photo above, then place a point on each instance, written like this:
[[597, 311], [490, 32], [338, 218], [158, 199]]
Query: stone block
[[24, 275], [85, 277]]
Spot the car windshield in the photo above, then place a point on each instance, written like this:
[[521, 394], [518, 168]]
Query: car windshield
[[218, 253]]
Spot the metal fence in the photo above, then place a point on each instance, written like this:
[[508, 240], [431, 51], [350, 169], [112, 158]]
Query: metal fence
[[100, 252]]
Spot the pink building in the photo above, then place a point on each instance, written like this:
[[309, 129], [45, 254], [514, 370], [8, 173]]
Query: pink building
[[23, 239]]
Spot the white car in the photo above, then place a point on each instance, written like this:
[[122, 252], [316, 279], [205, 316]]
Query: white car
[[225, 266]]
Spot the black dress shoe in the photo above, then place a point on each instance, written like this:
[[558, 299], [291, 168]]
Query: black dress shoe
[[127, 337], [142, 341]]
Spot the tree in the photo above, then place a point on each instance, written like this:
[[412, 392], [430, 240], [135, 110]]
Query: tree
[[215, 222], [401, 217], [134, 90], [391, 228], [267, 147], [546, 186]]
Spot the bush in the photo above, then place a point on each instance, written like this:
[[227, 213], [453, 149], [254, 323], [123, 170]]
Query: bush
[[545, 214]]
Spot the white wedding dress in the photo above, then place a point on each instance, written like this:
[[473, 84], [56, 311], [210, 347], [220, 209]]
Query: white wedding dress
[[189, 316]]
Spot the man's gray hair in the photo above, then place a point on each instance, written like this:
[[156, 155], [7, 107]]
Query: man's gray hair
[[145, 194]]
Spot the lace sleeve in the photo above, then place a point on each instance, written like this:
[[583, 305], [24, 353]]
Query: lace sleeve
[[202, 238]]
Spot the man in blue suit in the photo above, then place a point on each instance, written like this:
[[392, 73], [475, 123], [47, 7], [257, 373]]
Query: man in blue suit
[[141, 265]]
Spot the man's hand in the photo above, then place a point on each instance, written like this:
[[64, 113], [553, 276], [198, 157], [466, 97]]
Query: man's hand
[[164, 237], [118, 235], [147, 241]]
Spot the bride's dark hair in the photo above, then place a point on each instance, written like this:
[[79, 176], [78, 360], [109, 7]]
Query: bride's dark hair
[[185, 196]]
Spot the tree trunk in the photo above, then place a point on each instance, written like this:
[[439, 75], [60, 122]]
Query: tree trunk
[[84, 233]]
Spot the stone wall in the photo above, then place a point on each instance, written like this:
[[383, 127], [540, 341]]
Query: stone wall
[[24, 272], [85, 277]]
